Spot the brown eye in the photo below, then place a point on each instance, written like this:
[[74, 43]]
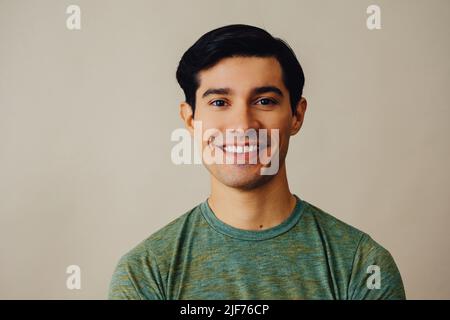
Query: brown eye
[[218, 103], [266, 101]]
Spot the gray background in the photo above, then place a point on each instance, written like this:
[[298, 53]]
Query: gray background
[[86, 118]]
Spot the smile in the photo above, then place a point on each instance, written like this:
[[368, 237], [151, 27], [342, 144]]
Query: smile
[[240, 149]]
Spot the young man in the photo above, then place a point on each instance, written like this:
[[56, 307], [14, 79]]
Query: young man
[[251, 238]]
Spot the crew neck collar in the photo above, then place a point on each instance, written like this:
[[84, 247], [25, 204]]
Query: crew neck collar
[[242, 234]]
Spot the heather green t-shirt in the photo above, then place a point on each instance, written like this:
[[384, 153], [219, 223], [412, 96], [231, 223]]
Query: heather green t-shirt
[[310, 255]]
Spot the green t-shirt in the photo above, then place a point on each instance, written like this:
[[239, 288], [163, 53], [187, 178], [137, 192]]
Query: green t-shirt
[[310, 255]]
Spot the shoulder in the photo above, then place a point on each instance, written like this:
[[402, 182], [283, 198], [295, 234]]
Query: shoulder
[[163, 240], [335, 228], [358, 252], [140, 272], [340, 237], [330, 227]]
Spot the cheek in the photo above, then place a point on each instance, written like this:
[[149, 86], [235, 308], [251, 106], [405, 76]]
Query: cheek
[[208, 118], [282, 123], [278, 118], [283, 134], [210, 129]]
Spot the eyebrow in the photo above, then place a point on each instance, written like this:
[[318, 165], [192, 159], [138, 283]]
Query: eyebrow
[[257, 90]]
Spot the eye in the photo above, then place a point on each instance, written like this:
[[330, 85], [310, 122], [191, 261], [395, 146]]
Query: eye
[[218, 103], [266, 101]]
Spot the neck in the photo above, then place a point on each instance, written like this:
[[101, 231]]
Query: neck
[[261, 208]]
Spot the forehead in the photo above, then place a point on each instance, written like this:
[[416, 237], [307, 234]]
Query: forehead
[[242, 73]]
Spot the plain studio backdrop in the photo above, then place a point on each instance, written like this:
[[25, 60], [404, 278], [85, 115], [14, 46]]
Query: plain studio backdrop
[[86, 118]]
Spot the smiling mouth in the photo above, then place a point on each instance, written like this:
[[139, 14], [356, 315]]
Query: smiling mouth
[[240, 149]]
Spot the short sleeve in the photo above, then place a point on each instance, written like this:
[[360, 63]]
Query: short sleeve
[[136, 277], [374, 273]]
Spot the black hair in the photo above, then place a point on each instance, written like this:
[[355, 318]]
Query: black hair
[[238, 40]]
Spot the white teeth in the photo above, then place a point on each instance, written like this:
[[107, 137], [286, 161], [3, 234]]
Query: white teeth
[[240, 149]]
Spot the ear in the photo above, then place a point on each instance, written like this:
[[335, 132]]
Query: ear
[[297, 118], [187, 115]]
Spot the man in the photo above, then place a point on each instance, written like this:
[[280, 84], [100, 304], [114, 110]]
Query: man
[[251, 238]]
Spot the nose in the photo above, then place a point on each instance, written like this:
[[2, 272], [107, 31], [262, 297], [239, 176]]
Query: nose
[[243, 118]]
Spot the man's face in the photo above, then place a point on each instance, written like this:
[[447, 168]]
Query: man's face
[[244, 93]]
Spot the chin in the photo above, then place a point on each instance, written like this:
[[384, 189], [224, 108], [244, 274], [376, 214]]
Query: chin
[[241, 178]]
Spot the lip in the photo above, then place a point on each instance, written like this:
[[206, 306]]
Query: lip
[[241, 159], [258, 146]]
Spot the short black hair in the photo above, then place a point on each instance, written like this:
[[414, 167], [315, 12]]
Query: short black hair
[[238, 40]]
